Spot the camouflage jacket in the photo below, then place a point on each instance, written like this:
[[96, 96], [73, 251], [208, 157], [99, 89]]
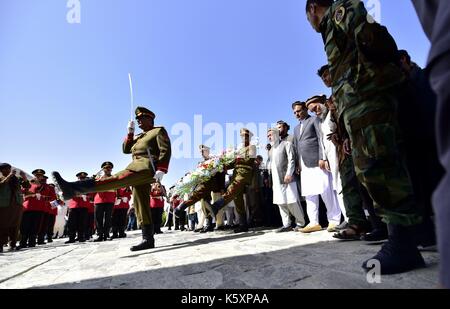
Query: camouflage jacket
[[345, 28]]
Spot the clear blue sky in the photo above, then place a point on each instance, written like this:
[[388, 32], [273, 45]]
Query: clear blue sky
[[64, 97]]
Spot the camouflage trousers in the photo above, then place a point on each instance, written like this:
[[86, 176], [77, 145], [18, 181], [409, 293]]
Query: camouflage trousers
[[379, 159], [351, 191], [141, 182]]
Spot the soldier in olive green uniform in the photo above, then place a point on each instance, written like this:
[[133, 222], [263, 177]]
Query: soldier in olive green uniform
[[361, 55], [203, 192], [243, 168], [151, 156]]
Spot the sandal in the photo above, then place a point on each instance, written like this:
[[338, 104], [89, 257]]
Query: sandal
[[352, 232]]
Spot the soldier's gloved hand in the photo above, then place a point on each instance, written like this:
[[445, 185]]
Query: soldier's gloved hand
[[159, 176], [130, 127]]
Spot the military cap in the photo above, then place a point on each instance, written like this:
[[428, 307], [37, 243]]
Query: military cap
[[298, 103], [107, 163], [142, 111], [204, 147], [38, 172], [82, 174], [245, 131], [5, 165], [320, 98]]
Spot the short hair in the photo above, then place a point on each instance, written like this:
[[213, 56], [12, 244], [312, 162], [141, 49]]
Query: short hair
[[404, 53], [259, 157], [322, 3], [298, 103], [288, 127], [323, 69]]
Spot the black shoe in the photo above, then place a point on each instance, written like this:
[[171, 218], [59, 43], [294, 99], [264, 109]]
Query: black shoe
[[182, 228], [114, 236], [241, 229], [399, 254], [49, 240], [198, 230], [123, 235], [221, 228], [70, 189], [70, 241], [375, 235], [148, 242], [284, 230]]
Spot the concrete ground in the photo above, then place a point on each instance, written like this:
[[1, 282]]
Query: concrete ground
[[261, 259]]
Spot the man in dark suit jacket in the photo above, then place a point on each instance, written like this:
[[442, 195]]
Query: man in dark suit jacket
[[435, 18], [315, 179]]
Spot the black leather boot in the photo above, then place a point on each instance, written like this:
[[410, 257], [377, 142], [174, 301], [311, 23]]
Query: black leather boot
[[400, 253], [115, 233], [70, 189], [32, 241], [148, 242]]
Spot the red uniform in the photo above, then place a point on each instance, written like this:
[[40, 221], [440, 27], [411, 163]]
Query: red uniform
[[156, 200], [105, 197], [32, 203], [50, 196], [124, 195], [80, 202]]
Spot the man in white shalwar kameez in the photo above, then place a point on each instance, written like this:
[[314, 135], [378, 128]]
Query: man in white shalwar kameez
[[285, 193], [317, 106], [315, 180]]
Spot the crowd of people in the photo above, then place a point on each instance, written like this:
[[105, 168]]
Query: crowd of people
[[361, 162]]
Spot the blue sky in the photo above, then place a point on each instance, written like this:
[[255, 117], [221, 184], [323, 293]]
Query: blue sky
[[64, 96]]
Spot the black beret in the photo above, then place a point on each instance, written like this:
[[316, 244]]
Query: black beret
[[107, 163]]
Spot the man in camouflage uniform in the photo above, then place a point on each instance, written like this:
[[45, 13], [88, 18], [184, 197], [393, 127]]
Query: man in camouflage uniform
[[361, 55], [151, 152]]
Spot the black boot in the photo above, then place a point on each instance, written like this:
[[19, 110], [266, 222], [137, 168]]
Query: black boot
[[122, 233], [71, 240], [115, 233], [148, 242], [32, 241], [70, 189], [49, 239], [400, 253]]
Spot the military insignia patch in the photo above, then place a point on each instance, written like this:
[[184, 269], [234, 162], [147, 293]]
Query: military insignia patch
[[339, 15]]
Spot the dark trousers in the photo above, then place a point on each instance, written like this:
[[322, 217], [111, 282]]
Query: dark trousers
[[103, 217], [29, 227], [50, 225], [157, 217], [43, 227], [119, 220], [90, 225], [8, 234], [440, 80], [77, 223]]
